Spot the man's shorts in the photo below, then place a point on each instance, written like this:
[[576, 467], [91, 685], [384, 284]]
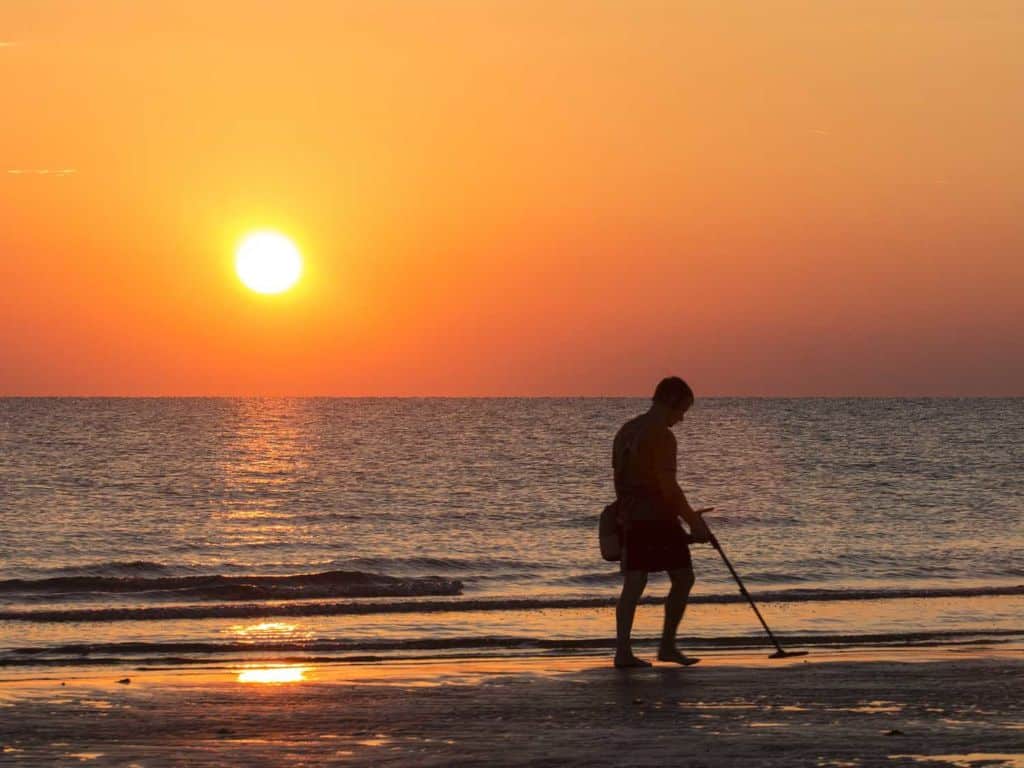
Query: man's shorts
[[656, 545]]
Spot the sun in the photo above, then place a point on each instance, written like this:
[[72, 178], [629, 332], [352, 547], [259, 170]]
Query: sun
[[268, 262]]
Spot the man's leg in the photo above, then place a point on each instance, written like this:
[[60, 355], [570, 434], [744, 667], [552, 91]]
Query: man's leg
[[675, 607], [633, 583]]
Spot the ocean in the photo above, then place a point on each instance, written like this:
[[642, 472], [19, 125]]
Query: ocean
[[197, 531]]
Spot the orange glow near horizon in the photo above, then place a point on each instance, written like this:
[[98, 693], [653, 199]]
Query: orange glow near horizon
[[548, 197]]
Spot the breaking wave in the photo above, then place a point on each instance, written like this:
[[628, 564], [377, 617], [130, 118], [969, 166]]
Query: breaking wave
[[357, 584]]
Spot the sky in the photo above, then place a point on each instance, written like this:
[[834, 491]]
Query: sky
[[818, 198]]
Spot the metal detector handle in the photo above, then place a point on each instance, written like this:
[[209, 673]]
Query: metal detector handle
[[743, 591], [711, 537], [780, 653]]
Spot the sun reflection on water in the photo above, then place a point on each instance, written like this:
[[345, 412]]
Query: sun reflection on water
[[264, 631]]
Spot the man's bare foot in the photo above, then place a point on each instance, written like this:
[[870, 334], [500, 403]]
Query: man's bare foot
[[629, 661], [673, 655]]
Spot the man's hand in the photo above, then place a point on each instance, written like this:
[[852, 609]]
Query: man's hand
[[699, 532]]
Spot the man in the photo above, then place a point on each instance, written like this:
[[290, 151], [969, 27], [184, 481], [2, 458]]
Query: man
[[651, 504]]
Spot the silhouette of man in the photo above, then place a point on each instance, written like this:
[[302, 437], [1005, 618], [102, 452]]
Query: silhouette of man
[[650, 505]]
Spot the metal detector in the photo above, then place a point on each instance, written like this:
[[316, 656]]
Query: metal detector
[[780, 653]]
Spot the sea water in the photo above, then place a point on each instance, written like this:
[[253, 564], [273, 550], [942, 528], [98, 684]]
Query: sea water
[[186, 530]]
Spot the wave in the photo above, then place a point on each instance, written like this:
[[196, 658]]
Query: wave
[[234, 588], [598, 578], [166, 652], [109, 568], [257, 610], [424, 563], [411, 565]]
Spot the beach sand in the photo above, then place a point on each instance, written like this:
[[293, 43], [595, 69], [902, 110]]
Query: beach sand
[[922, 707]]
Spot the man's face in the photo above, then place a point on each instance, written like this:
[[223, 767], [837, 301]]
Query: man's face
[[676, 414]]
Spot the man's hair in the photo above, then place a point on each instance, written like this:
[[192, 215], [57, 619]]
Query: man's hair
[[672, 392]]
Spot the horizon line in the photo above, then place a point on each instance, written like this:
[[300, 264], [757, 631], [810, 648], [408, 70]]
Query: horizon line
[[502, 397]]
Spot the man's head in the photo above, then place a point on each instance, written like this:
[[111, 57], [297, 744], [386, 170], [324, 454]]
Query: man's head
[[675, 396]]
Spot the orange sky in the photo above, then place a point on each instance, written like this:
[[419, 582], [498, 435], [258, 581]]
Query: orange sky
[[513, 198]]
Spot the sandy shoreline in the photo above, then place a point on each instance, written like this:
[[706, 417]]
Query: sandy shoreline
[[936, 706]]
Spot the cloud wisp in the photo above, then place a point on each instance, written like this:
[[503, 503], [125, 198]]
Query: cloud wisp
[[41, 171]]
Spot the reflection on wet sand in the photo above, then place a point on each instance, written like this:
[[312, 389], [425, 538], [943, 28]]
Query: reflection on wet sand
[[546, 709], [974, 759], [274, 675]]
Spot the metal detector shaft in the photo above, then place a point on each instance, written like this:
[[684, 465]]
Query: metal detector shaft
[[743, 590]]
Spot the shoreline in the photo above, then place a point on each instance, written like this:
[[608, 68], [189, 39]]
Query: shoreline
[[851, 707], [749, 651], [893, 623]]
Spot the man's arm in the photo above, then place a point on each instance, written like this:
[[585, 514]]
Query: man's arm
[[670, 490]]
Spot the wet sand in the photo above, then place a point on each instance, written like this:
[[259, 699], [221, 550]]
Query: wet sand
[[922, 707]]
